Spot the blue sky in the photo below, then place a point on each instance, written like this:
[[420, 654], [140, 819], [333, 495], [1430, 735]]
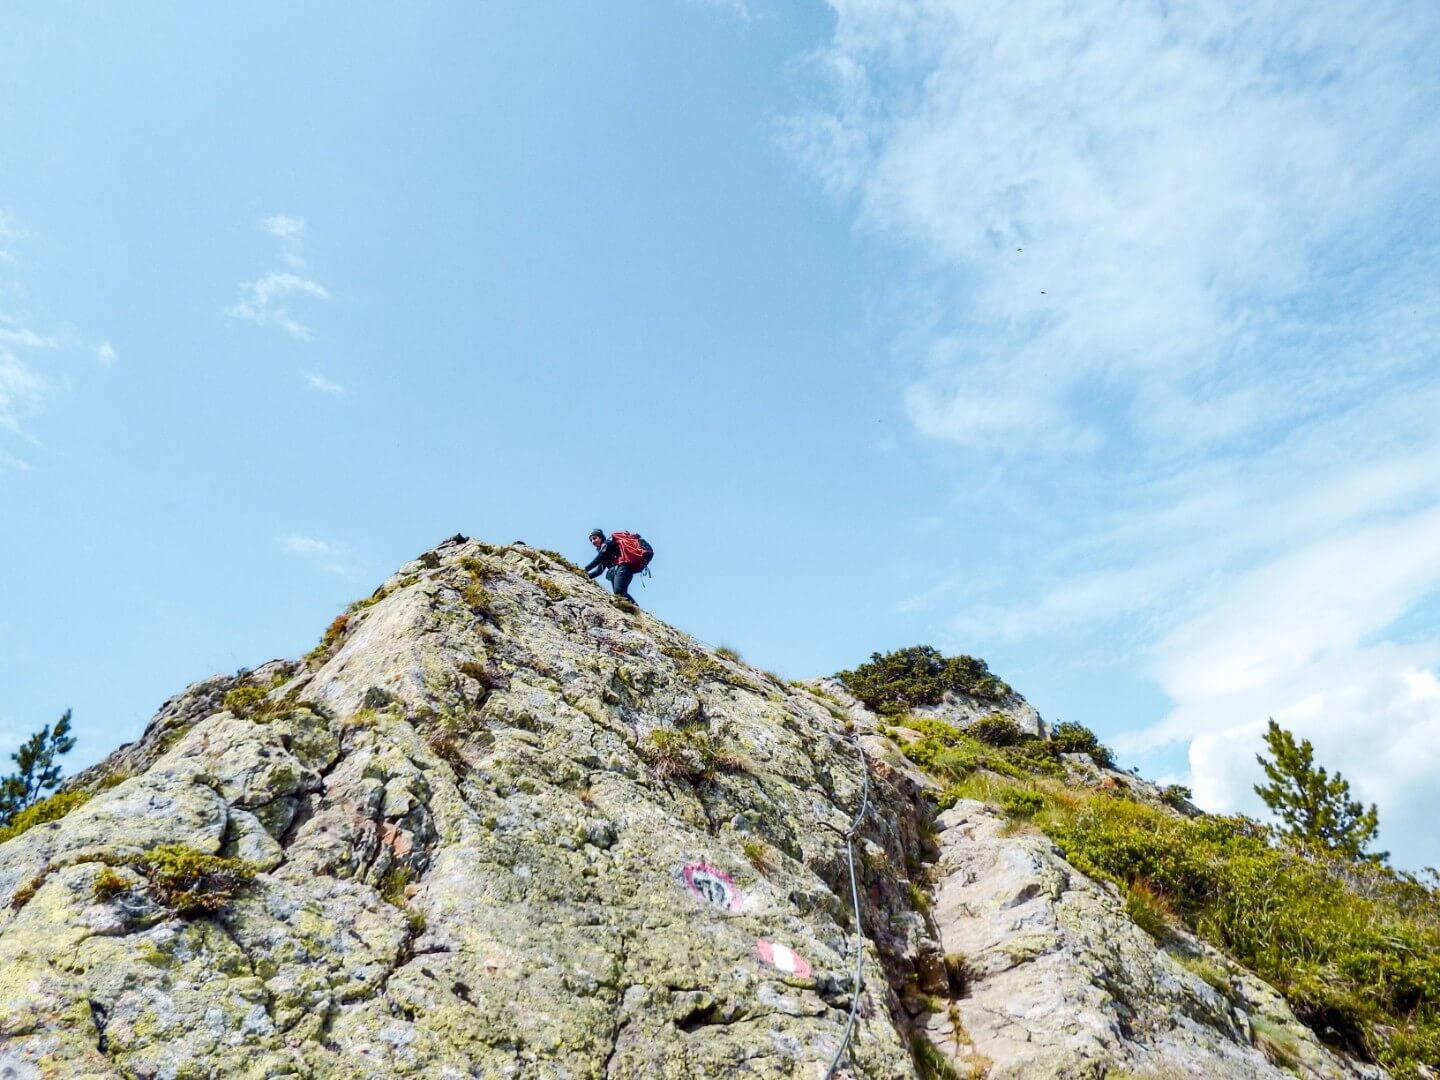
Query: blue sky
[[1098, 340]]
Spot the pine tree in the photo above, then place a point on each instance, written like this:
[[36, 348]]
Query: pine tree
[[39, 771], [1316, 808]]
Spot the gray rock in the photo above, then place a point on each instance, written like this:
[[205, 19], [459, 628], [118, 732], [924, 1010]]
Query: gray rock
[[1060, 982]]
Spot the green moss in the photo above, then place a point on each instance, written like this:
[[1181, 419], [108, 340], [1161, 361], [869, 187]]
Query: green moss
[[1279, 1045], [189, 882], [930, 1063], [896, 682], [1207, 970], [110, 883], [243, 700], [727, 653], [696, 667], [50, 809], [556, 557], [550, 589]]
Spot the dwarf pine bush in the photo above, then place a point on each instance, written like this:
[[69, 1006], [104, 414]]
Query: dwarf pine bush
[[896, 682]]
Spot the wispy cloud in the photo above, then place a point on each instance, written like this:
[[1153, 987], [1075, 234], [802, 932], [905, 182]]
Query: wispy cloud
[[306, 545], [22, 386], [269, 300], [291, 233], [323, 385], [106, 354], [1175, 291], [738, 8], [330, 557]]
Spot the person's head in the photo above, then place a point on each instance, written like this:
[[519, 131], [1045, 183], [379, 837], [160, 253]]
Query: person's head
[[597, 537]]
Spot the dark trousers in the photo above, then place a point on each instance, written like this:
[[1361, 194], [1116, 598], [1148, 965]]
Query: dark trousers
[[621, 576]]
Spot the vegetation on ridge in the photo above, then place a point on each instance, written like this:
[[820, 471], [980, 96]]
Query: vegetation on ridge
[[896, 682], [1353, 945]]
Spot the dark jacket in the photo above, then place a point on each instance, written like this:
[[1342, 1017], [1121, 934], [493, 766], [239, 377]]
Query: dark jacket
[[607, 556]]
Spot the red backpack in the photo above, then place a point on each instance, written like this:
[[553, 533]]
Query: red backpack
[[634, 549]]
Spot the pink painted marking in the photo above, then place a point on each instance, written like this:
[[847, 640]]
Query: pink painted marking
[[782, 958]]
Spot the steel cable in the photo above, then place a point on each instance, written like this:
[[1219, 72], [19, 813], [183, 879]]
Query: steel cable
[[855, 901]]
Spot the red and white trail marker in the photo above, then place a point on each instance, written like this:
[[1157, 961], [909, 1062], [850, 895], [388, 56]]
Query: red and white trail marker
[[782, 958]]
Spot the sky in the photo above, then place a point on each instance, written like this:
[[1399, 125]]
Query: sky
[[1101, 341]]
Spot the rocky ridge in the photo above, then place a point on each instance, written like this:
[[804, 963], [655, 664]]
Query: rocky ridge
[[501, 825]]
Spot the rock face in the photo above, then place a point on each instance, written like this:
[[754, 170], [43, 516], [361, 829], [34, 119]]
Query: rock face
[[502, 826], [479, 854], [1061, 983]]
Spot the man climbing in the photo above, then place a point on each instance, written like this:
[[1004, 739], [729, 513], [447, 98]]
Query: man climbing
[[619, 557]]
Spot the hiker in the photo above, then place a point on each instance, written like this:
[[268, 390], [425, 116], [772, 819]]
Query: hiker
[[620, 557]]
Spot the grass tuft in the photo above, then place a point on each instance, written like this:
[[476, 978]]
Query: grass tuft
[[188, 882], [689, 754]]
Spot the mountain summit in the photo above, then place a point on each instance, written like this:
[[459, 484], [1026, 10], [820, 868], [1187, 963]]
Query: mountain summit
[[499, 825]]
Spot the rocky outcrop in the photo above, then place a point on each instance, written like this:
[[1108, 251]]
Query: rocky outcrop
[[506, 827], [1059, 982], [957, 710], [500, 825]]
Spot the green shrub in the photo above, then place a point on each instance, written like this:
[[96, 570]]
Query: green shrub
[[189, 882], [727, 653], [1020, 803], [50, 809], [1354, 947], [896, 682], [1176, 795], [996, 729], [1071, 738], [243, 700]]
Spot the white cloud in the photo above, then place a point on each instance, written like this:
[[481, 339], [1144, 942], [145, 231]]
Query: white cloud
[[26, 339], [106, 354], [305, 545], [738, 8], [21, 389], [286, 228], [1175, 287], [291, 232], [332, 558], [1130, 202], [25, 384], [268, 300], [323, 385]]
